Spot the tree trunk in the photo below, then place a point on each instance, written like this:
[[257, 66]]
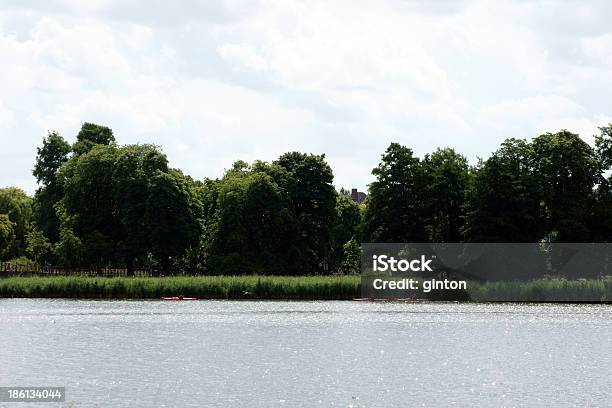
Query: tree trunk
[[129, 263], [165, 263]]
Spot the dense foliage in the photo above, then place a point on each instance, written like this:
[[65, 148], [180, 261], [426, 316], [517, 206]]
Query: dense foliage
[[271, 218], [100, 204]]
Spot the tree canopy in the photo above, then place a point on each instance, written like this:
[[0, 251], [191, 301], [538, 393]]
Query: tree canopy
[[396, 206], [503, 200], [91, 135], [100, 204], [17, 206], [271, 218]]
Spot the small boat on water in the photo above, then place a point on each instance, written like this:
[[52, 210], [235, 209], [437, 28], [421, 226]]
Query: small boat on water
[[410, 299], [180, 297]]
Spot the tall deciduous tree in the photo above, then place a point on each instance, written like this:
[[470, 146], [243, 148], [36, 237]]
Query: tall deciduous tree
[[38, 246], [253, 228], [351, 260], [568, 171], [446, 174], [396, 203], [173, 216], [124, 203], [504, 198], [601, 225], [49, 159], [346, 227], [271, 218], [91, 135], [90, 204], [17, 205], [307, 181], [69, 249], [601, 222], [133, 171], [603, 146], [7, 235]]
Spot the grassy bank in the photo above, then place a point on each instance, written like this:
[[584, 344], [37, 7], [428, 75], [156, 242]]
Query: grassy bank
[[282, 287], [544, 290], [205, 287]]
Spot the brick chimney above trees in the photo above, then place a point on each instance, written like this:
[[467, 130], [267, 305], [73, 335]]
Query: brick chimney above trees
[[358, 196]]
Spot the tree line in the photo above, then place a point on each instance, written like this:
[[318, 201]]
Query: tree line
[[99, 204]]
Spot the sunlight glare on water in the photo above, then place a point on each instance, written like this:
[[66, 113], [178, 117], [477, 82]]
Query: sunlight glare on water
[[360, 354]]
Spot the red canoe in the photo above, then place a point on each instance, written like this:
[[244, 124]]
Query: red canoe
[[386, 299], [179, 298]]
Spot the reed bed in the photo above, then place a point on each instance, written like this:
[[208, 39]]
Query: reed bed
[[204, 287], [284, 287], [544, 290]]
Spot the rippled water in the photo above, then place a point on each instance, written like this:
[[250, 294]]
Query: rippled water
[[288, 354]]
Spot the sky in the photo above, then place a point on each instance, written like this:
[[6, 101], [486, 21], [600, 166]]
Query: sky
[[212, 82]]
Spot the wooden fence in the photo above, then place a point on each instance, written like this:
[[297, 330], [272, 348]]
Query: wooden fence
[[8, 269]]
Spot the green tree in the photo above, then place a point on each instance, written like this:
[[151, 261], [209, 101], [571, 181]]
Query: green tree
[[133, 170], [249, 235], [69, 249], [603, 146], [396, 203], [173, 216], [38, 246], [446, 174], [49, 159], [346, 227], [7, 235], [90, 206], [307, 179], [270, 218], [18, 206], [45, 210], [124, 203], [91, 135], [351, 262], [504, 198], [568, 171], [601, 222]]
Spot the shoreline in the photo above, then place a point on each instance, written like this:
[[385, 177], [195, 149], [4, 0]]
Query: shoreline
[[255, 287], [419, 301]]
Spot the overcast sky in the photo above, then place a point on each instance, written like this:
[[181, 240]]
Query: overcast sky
[[213, 82]]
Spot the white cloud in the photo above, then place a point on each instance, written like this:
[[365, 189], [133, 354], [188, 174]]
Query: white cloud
[[528, 108], [216, 82], [243, 57], [534, 115], [599, 49]]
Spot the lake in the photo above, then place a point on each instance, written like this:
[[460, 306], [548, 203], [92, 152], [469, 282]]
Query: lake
[[290, 354]]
